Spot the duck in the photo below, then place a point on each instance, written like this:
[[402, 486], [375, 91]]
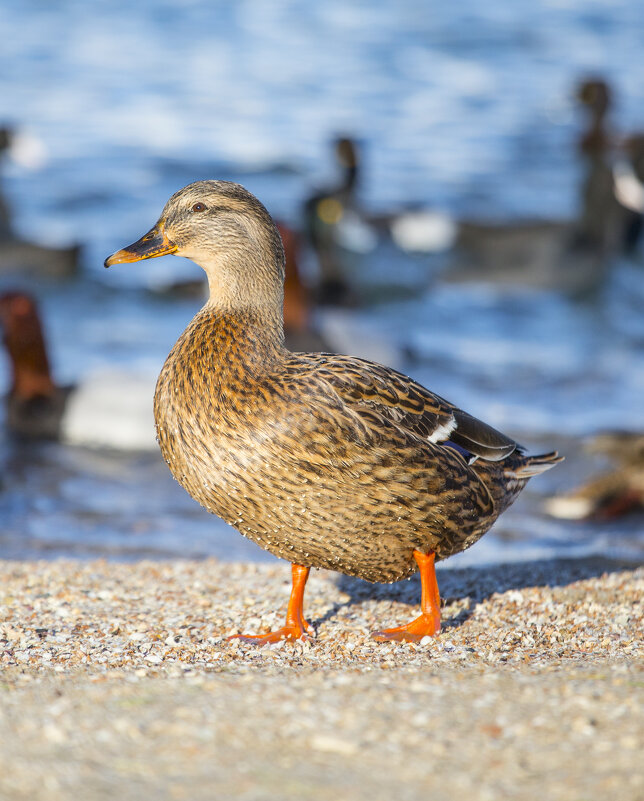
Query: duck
[[335, 230], [19, 257], [532, 255], [595, 97], [341, 232], [29, 260], [109, 408], [569, 256], [614, 493], [326, 461]]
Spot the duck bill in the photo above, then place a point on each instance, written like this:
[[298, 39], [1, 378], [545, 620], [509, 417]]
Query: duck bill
[[154, 243]]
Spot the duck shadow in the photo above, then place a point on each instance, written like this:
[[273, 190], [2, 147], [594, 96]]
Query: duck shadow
[[479, 583]]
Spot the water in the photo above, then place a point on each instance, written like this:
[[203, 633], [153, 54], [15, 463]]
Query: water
[[467, 108]]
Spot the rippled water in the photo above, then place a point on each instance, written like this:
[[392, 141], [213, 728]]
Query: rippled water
[[464, 107]]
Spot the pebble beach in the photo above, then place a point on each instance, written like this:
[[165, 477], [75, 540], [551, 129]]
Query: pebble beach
[[118, 681]]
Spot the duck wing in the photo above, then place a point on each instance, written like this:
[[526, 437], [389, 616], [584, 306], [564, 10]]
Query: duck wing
[[373, 390]]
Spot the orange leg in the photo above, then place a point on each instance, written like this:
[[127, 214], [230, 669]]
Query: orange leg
[[429, 622], [296, 627]]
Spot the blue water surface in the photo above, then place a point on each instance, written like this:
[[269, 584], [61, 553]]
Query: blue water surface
[[466, 107]]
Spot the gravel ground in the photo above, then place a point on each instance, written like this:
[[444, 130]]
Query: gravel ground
[[117, 682]]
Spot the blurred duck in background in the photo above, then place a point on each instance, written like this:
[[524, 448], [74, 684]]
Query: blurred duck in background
[[598, 226], [612, 193], [570, 256], [335, 229], [341, 231], [595, 96], [615, 492], [27, 259], [109, 409]]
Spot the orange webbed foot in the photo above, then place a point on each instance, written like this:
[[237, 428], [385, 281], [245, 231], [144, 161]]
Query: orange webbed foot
[[429, 622], [427, 625], [296, 627], [290, 633]]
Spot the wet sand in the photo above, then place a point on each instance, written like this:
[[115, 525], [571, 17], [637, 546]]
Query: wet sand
[[118, 682]]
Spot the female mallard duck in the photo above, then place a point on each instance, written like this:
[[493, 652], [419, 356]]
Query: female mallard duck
[[326, 461]]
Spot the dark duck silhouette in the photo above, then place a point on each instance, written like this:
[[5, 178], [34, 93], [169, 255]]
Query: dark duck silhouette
[[29, 259], [572, 256], [327, 461], [594, 94], [341, 232], [324, 210], [612, 192]]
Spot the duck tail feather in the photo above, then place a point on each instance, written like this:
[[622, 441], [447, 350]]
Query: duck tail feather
[[534, 465]]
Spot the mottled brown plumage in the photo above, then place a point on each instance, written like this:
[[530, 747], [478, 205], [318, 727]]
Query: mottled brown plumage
[[324, 460]]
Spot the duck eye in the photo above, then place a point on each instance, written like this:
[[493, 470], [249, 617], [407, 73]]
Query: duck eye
[[198, 207]]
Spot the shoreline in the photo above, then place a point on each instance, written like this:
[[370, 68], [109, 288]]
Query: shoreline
[[117, 681]]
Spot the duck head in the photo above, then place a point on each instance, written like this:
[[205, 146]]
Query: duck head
[[226, 231], [595, 95]]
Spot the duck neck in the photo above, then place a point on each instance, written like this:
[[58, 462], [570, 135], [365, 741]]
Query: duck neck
[[248, 288], [597, 126]]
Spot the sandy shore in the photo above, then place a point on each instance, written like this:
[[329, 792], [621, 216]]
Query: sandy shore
[[117, 682]]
